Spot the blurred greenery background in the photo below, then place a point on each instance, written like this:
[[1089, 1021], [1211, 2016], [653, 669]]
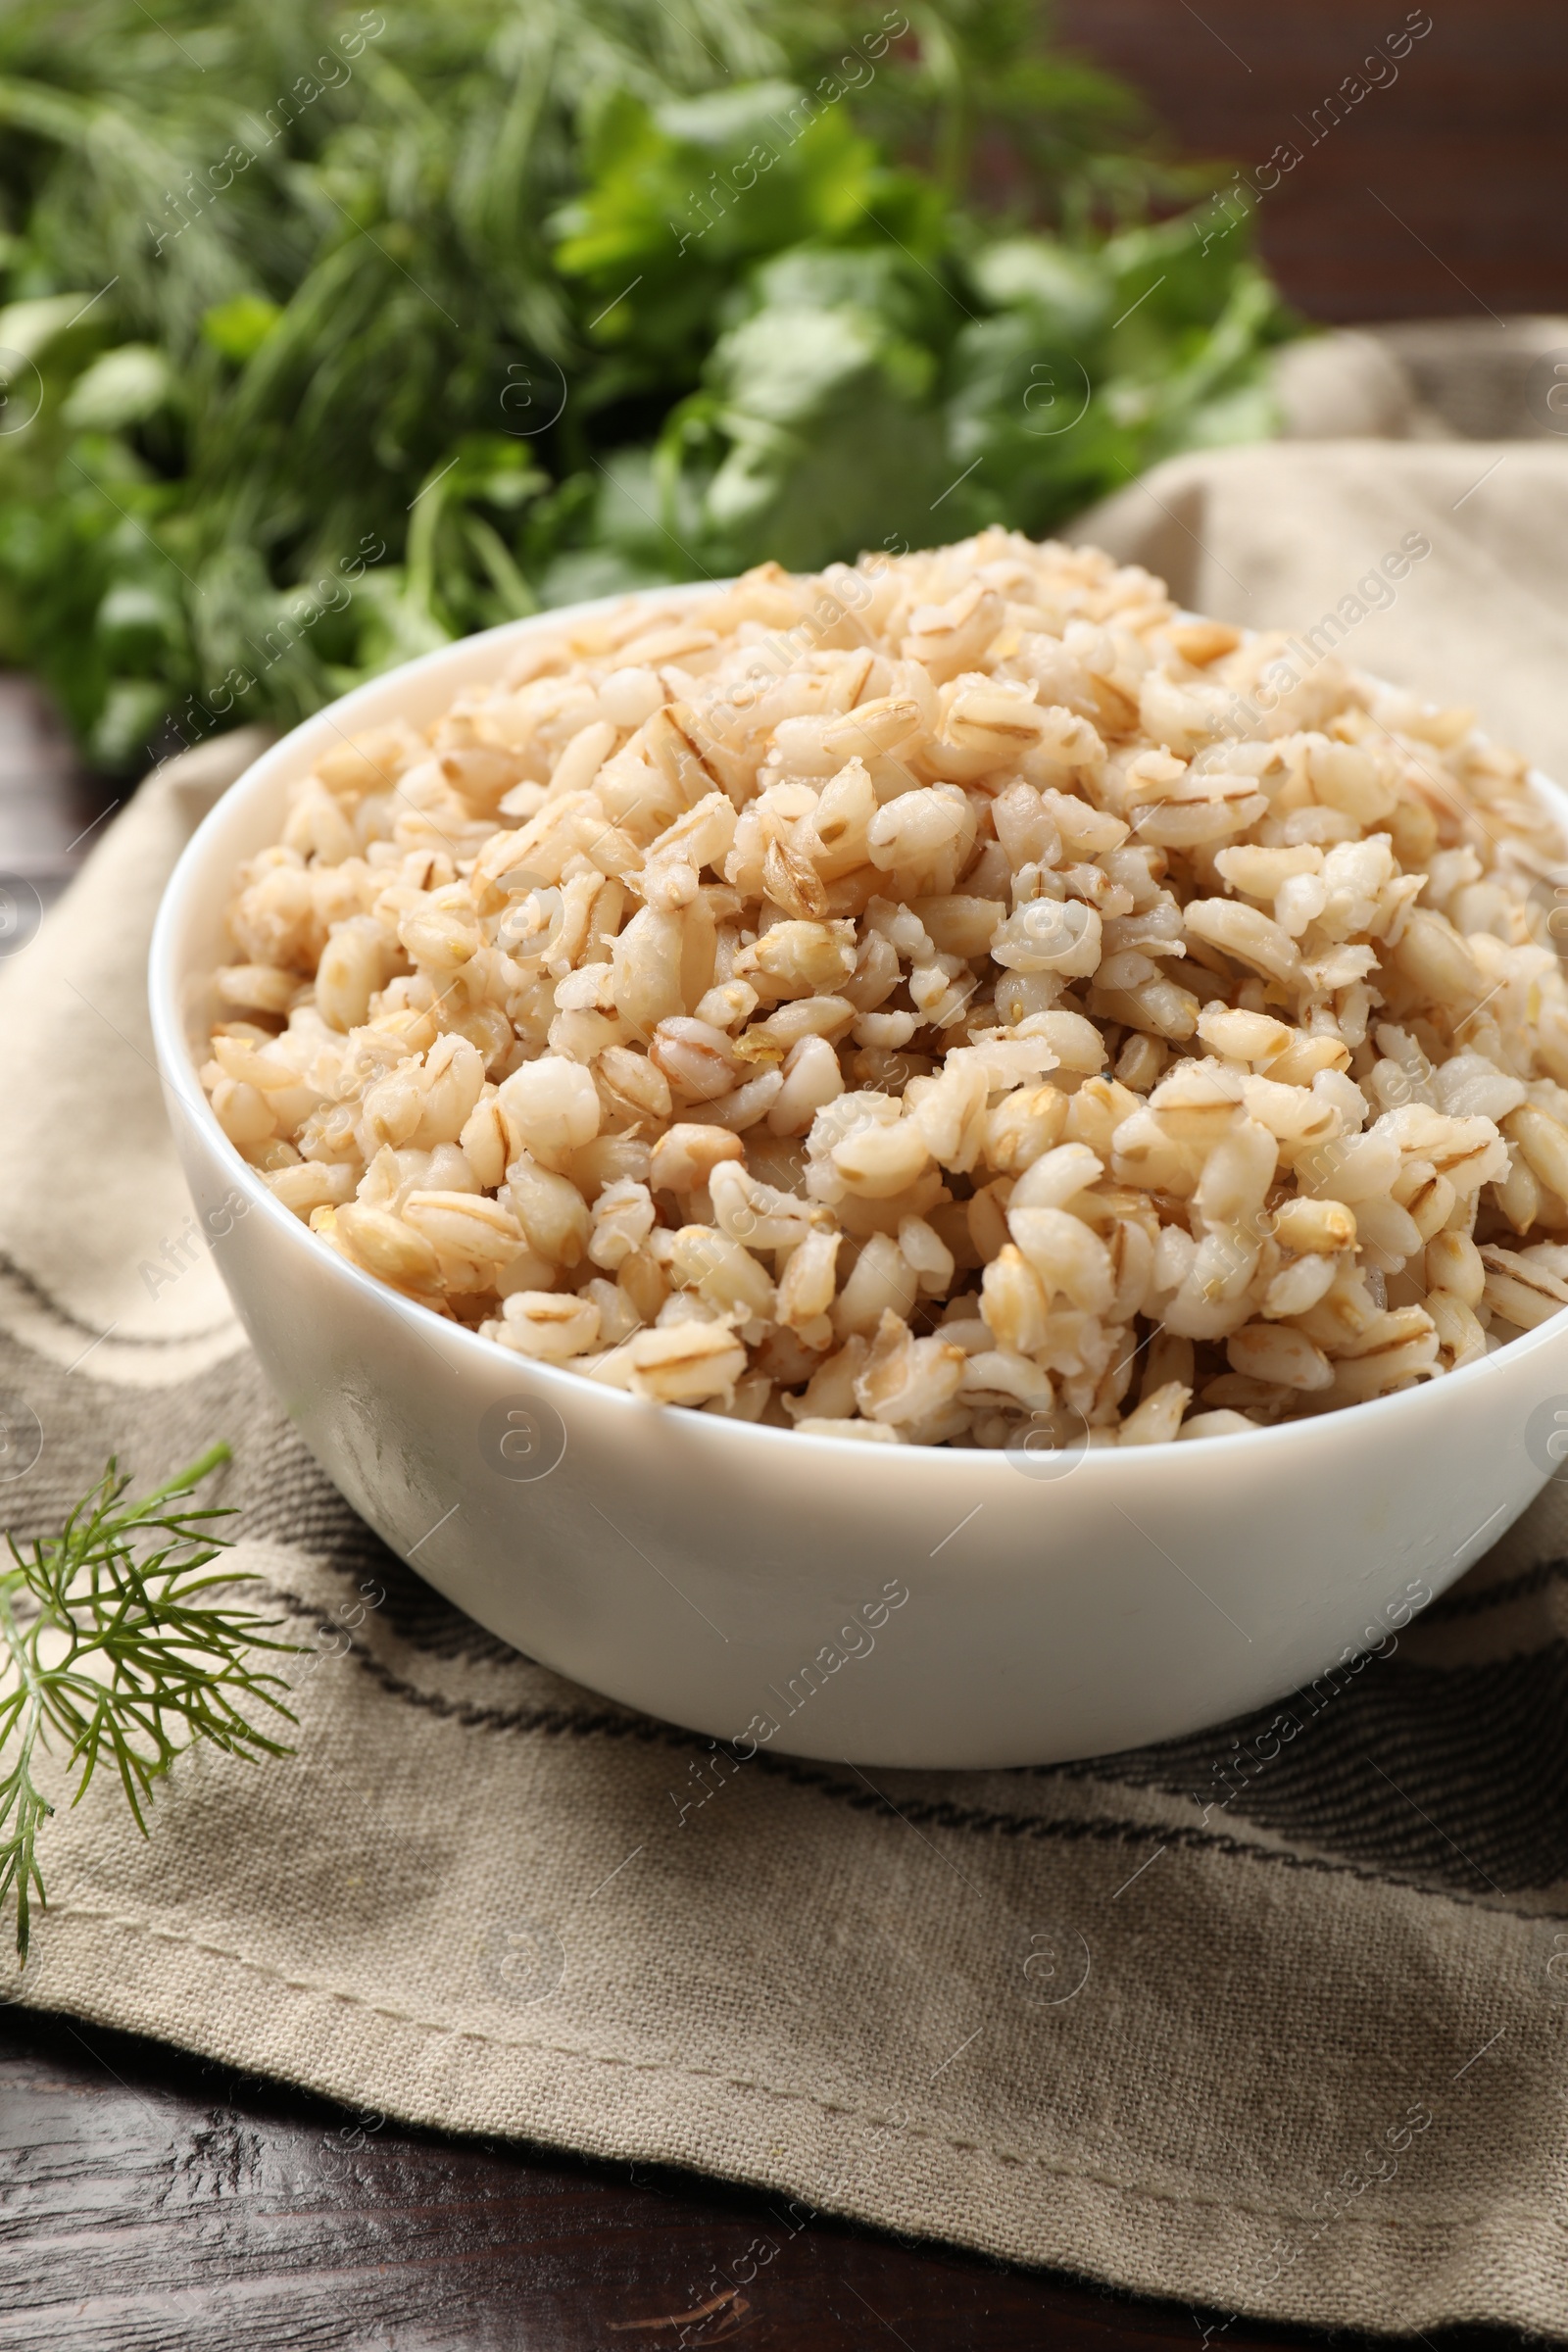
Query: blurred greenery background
[[326, 335]]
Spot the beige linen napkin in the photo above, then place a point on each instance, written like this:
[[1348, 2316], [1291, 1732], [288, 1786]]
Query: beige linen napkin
[[1270, 2019]]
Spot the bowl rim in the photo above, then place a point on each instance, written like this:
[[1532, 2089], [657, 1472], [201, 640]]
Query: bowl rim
[[178, 1073]]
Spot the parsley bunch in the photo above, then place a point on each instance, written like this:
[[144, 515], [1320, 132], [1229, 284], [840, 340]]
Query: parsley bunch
[[329, 333]]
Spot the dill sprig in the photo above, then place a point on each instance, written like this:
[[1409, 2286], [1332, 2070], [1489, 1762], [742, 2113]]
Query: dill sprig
[[112, 1648]]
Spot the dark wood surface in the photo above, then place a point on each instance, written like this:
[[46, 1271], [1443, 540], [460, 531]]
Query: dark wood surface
[[150, 2202], [50, 811], [1443, 194]]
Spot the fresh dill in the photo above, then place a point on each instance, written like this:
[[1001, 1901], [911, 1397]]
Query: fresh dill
[[114, 1649], [330, 333]]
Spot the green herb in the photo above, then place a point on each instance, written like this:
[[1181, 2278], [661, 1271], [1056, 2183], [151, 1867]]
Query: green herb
[[348, 331], [116, 1651]]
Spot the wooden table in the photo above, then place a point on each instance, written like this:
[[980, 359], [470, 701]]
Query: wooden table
[[1440, 191], [154, 2202]]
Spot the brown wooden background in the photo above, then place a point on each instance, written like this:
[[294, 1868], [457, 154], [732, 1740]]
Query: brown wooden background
[[1467, 148]]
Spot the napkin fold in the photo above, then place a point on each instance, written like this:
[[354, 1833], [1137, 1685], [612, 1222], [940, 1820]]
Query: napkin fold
[[1269, 2020]]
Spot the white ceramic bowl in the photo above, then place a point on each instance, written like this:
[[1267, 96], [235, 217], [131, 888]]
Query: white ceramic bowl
[[898, 1606]]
